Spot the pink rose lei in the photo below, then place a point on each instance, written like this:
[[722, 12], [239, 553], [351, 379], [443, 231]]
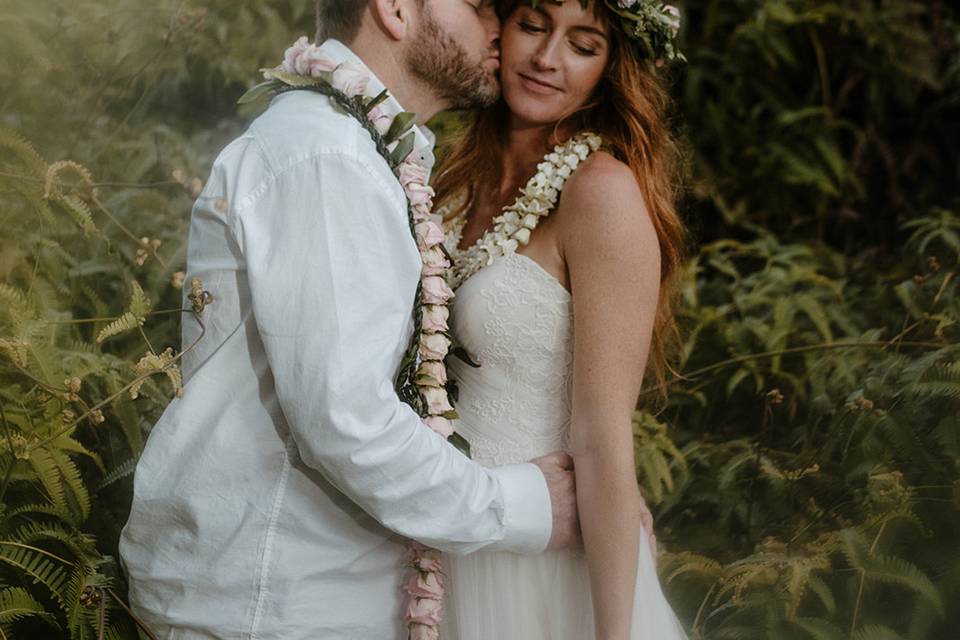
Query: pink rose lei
[[424, 588]]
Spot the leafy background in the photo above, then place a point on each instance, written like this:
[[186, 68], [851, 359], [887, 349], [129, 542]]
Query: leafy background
[[805, 469]]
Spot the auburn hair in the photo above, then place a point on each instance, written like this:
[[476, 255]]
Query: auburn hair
[[629, 109]]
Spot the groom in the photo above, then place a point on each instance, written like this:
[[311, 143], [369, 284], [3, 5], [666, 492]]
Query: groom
[[273, 500]]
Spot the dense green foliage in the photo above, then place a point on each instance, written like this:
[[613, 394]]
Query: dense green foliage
[[805, 469]]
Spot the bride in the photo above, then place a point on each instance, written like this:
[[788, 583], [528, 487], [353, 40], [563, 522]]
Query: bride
[[564, 298]]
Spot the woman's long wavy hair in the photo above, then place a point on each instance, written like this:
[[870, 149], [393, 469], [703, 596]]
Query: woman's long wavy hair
[[629, 109]]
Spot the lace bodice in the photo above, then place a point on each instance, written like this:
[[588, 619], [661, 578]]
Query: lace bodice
[[516, 321]]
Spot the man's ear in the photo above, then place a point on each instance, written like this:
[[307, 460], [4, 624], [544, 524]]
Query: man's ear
[[395, 17]]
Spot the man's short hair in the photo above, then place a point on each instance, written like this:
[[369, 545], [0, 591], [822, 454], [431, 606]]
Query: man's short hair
[[339, 19]]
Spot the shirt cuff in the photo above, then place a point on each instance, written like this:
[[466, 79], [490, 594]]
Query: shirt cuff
[[528, 513]]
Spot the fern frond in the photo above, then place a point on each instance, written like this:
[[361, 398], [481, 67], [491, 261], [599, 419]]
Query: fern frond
[[52, 183], [890, 570], [17, 351], [820, 629], [36, 566], [942, 381], [673, 565], [46, 509], [124, 323], [23, 151], [48, 474], [13, 300], [134, 317], [823, 592], [875, 632], [78, 210], [81, 619], [73, 481], [140, 305], [100, 308], [17, 603], [33, 532], [119, 472], [66, 443]]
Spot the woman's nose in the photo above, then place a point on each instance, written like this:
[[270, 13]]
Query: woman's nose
[[544, 58]]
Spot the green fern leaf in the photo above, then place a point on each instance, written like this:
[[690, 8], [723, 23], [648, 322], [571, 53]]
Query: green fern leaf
[[75, 488], [875, 632], [820, 629], [52, 184], [79, 544], [37, 566], [942, 381], [124, 323], [119, 472], [48, 474], [890, 569], [139, 303], [23, 151], [16, 604], [78, 210], [134, 317], [673, 565], [823, 592]]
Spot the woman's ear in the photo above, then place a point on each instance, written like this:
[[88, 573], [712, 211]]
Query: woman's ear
[[396, 17]]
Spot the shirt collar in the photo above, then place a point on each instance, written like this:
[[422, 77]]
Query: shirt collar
[[423, 138]]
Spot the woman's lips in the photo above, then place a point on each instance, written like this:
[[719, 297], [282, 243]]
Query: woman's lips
[[537, 86]]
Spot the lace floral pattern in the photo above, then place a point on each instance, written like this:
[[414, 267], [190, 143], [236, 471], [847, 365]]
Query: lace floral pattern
[[516, 320]]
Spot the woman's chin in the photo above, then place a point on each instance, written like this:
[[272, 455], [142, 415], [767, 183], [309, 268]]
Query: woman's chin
[[531, 112]]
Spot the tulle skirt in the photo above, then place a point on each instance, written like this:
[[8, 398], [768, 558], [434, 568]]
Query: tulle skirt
[[508, 596]]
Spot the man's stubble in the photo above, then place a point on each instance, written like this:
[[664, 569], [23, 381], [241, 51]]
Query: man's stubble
[[442, 62]]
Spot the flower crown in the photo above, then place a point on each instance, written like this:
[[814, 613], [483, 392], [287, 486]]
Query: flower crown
[[652, 25]]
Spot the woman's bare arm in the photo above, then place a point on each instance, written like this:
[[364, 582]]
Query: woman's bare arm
[[612, 255]]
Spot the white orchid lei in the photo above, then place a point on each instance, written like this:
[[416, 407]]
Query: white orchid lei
[[422, 378], [512, 228], [653, 25]]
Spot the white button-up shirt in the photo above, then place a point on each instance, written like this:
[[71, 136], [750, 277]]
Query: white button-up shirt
[[273, 500]]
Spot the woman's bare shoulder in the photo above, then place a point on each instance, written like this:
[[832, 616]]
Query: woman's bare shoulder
[[603, 195]]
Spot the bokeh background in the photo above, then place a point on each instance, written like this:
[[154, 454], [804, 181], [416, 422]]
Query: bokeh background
[[804, 473]]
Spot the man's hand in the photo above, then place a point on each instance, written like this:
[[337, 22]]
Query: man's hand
[[557, 468]]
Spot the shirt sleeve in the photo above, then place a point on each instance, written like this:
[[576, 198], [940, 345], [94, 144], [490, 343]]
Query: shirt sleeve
[[333, 270]]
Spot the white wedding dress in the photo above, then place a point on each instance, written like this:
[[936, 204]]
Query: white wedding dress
[[515, 320]]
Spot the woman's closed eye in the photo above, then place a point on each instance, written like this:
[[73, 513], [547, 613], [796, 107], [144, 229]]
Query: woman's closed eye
[[530, 27], [583, 49]]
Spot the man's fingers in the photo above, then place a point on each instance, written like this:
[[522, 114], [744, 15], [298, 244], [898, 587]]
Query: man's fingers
[[559, 458], [646, 519]]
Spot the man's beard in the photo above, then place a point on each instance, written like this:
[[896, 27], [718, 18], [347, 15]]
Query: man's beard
[[441, 62]]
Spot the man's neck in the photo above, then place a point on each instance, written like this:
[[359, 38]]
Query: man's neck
[[387, 63]]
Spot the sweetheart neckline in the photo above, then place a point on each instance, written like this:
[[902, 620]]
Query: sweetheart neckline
[[543, 272]]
